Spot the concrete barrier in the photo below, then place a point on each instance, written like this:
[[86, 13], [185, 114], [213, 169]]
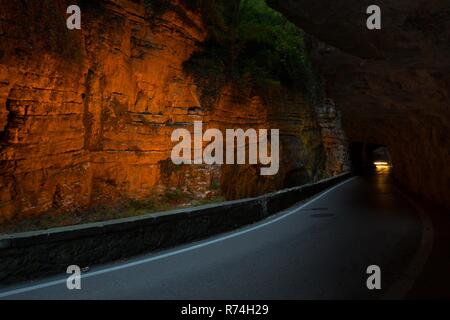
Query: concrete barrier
[[29, 255]]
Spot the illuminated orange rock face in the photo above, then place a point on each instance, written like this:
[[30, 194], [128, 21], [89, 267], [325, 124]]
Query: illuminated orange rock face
[[86, 117]]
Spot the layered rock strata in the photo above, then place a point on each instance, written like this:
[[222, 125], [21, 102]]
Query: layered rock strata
[[86, 116]]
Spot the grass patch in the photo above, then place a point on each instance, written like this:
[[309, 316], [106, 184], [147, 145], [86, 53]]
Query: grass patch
[[172, 200]]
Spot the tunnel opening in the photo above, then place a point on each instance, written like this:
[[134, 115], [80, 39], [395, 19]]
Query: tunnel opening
[[369, 158]]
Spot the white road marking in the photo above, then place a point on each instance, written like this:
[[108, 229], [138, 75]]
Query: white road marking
[[172, 253]]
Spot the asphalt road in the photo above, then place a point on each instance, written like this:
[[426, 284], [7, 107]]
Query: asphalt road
[[320, 249]]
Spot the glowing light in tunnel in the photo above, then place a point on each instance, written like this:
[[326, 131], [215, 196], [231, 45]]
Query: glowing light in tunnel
[[382, 166]]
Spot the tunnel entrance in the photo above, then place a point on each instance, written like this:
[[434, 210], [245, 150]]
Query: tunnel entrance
[[370, 158]]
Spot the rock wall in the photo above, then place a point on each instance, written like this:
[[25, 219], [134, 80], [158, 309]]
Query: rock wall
[[86, 116], [392, 85]]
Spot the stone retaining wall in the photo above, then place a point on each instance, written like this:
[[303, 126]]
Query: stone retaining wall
[[29, 255]]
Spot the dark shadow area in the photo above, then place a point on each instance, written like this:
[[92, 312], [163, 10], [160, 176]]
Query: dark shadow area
[[373, 161], [369, 158], [434, 281]]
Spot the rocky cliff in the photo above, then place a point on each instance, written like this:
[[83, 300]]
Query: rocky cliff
[[86, 116], [392, 85]]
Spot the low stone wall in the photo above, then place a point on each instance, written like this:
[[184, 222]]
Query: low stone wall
[[24, 256]]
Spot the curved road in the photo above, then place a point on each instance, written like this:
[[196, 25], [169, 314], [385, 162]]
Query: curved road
[[319, 249]]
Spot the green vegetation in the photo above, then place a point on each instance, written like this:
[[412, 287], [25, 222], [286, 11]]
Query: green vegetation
[[254, 45]]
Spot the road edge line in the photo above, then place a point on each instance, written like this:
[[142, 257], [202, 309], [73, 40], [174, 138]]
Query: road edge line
[[202, 244]]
